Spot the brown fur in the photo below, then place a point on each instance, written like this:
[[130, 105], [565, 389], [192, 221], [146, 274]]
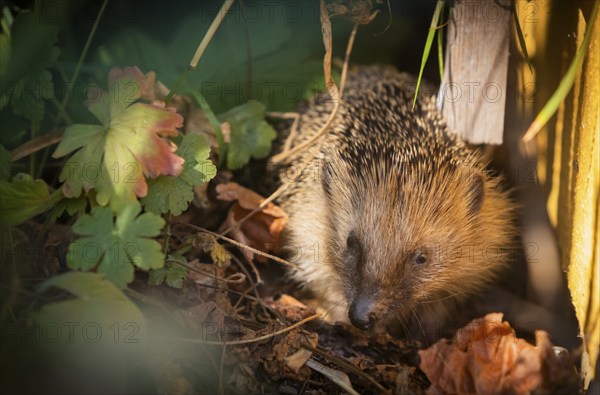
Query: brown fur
[[405, 186]]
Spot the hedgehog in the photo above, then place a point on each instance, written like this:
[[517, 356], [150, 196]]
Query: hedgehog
[[395, 218]]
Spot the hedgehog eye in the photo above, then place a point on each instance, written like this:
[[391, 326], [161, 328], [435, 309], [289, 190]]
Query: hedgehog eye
[[420, 258]]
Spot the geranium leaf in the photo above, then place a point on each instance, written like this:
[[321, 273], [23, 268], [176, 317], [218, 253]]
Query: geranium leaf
[[116, 157], [174, 194], [70, 206], [115, 247], [251, 135], [173, 273]]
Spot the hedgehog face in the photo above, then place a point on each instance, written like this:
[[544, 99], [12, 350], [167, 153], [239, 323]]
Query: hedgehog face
[[399, 250], [381, 284]]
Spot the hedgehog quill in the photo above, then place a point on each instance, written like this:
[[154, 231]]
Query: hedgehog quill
[[401, 218]]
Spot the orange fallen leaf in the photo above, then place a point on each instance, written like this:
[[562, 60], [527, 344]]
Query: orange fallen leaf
[[486, 357], [291, 308], [263, 229]]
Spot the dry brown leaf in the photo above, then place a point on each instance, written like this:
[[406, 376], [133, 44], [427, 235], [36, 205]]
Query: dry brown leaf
[[486, 357], [291, 308], [260, 231], [327, 41], [277, 364]]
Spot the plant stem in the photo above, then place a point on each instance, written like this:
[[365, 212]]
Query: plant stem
[[201, 48], [216, 125], [211, 32], [521, 38], [440, 48], [167, 237]]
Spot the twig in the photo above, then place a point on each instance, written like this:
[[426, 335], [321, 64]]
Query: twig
[[201, 48], [253, 286], [211, 32], [254, 340], [252, 266], [389, 21], [239, 280], [36, 144], [293, 132], [237, 243]]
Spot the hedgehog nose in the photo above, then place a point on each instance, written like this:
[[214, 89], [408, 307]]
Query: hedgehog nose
[[361, 312]]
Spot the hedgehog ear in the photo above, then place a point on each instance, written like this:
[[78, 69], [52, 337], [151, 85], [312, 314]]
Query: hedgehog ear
[[476, 193]]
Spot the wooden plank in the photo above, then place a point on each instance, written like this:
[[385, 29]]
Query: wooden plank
[[580, 230], [574, 197], [473, 91]]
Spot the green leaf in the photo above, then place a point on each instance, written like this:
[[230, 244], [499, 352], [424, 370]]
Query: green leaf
[[173, 273], [115, 157], [115, 247], [166, 194], [70, 206], [23, 198], [174, 194], [26, 81], [251, 135], [96, 300], [432, 28]]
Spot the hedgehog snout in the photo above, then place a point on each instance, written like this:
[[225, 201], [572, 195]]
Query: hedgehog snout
[[362, 312]]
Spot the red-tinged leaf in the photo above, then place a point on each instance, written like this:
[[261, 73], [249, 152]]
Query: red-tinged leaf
[[116, 157]]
